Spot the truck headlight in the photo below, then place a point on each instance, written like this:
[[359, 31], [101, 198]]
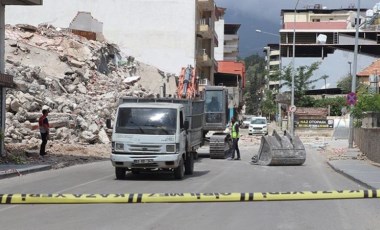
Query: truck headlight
[[119, 146], [170, 148]]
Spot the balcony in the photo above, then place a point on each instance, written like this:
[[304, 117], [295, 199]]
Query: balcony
[[231, 48], [206, 5], [274, 63], [274, 53], [203, 59], [205, 28], [231, 37]]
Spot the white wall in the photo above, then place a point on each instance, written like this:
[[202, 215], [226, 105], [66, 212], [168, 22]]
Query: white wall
[[219, 51], [158, 32]]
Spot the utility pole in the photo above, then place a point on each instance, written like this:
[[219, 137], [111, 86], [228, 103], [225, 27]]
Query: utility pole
[[353, 84], [293, 71]]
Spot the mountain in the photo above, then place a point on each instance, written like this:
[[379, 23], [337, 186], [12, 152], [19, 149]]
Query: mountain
[[252, 42]]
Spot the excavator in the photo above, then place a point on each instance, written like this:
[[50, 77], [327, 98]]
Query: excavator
[[215, 111], [216, 119], [220, 101]]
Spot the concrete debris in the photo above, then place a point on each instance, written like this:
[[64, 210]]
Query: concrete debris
[[78, 80]]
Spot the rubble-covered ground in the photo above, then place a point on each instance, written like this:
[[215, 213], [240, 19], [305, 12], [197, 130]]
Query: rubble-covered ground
[[80, 81]]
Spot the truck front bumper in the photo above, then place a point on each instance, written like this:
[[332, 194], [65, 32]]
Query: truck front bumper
[[146, 161]]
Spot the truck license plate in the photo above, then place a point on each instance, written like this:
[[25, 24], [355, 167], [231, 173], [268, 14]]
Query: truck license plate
[[143, 161]]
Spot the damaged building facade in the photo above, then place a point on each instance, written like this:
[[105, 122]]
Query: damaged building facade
[[166, 34]]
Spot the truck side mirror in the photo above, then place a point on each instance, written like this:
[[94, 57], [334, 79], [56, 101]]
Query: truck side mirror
[[108, 123], [186, 125]]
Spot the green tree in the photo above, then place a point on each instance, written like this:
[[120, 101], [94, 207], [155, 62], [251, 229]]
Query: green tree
[[268, 105], [255, 66], [366, 102], [302, 80], [345, 83], [336, 104]]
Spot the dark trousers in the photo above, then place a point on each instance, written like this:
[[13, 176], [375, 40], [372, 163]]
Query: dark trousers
[[235, 146], [44, 138]]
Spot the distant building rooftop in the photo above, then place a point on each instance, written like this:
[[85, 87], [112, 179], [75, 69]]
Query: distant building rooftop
[[321, 11], [231, 28], [374, 68]]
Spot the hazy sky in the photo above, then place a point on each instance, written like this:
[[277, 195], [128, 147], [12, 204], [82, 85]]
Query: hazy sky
[[265, 15]]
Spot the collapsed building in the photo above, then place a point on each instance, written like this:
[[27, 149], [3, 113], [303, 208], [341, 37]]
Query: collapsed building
[[79, 80]]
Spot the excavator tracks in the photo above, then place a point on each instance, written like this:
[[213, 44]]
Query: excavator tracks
[[220, 145]]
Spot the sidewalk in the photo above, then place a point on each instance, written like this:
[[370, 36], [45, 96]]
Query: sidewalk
[[350, 162], [361, 171]]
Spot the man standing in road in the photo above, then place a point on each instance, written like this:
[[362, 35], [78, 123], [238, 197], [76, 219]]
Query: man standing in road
[[235, 139], [43, 124]]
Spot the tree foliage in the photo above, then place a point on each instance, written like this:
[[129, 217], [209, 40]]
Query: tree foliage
[[302, 79], [336, 104], [268, 106], [345, 84], [253, 93], [366, 102]]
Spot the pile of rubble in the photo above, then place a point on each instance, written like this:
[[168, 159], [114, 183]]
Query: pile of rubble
[[79, 80]]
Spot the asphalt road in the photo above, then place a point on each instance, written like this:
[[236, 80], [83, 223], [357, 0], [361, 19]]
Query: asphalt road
[[209, 176]]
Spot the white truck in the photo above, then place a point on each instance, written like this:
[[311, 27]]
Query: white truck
[[156, 134]]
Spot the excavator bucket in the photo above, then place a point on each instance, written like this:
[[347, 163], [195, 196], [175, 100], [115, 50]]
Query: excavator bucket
[[280, 150]]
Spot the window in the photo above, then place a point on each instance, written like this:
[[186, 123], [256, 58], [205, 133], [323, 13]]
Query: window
[[149, 121]]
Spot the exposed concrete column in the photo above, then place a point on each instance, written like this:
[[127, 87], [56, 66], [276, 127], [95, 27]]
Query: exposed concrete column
[[2, 70]]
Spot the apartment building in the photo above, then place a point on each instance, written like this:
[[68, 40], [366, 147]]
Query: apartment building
[[231, 42], [228, 48], [166, 34], [328, 36], [207, 40], [273, 65]]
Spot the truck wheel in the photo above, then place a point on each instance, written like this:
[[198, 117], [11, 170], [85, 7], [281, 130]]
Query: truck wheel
[[179, 172], [120, 173], [189, 164]]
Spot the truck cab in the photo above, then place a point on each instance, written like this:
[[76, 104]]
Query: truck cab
[[151, 135]]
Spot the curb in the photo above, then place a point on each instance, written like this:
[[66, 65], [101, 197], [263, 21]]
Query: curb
[[13, 172], [350, 176]]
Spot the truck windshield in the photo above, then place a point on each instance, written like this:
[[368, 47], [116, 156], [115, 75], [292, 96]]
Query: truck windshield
[[149, 121]]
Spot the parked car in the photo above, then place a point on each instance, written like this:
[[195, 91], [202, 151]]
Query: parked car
[[258, 125], [245, 123]]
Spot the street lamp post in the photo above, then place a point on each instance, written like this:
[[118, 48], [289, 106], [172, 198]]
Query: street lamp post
[[264, 32], [353, 83], [293, 71], [350, 68]]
